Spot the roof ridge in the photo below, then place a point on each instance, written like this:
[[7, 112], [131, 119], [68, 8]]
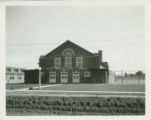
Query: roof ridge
[[69, 41]]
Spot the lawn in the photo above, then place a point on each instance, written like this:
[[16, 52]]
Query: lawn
[[82, 87], [97, 87], [19, 86]]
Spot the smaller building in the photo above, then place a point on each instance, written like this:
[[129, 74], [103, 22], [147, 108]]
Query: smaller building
[[14, 75], [31, 76], [111, 79]]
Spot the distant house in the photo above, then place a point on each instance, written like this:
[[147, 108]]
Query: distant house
[[14, 75], [70, 63]]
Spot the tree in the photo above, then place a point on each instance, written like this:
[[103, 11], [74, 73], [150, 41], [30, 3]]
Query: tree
[[139, 75]]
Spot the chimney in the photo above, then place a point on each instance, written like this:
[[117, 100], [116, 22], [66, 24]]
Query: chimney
[[100, 55]]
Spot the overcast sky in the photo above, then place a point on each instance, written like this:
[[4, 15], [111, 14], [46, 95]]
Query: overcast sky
[[116, 30]]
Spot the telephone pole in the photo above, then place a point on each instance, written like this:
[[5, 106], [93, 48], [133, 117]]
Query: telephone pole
[[39, 79]]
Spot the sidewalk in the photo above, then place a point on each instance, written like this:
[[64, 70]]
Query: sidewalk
[[23, 89]]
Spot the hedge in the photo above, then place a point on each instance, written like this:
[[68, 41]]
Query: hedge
[[75, 105]]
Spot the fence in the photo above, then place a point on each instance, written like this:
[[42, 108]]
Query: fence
[[126, 77]]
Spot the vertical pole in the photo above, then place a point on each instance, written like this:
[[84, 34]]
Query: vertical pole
[[106, 77], [39, 80], [139, 79], [122, 76]]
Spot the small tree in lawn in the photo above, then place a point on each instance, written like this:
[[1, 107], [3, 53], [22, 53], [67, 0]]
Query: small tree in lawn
[[139, 75]]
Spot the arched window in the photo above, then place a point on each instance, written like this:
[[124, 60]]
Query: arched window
[[68, 58]]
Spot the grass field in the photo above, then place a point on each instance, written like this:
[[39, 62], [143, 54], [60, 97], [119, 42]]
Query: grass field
[[20, 86], [82, 87], [97, 87]]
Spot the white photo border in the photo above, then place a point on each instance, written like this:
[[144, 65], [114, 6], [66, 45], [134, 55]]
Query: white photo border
[[145, 3]]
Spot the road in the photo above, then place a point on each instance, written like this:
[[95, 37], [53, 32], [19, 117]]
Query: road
[[73, 93]]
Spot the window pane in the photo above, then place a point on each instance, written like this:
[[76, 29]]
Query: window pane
[[87, 74], [79, 62], [68, 59], [57, 62]]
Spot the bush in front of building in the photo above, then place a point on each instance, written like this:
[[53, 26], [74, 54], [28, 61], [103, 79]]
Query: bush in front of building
[[75, 105]]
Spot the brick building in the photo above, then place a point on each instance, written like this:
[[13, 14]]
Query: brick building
[[70, 63]]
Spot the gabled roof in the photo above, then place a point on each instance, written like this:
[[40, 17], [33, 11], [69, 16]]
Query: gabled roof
[[69, 43]]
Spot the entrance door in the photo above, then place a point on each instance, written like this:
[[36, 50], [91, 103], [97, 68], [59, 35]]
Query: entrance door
[[76, 77], [52, 77], [64, 77]]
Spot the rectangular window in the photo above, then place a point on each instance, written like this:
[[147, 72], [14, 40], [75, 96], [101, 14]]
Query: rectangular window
[[8, 69], [54, 77], [57, 62], [87, 74], [68, 62], [11, 78], [15, 70], [79, 62], [20, 76]]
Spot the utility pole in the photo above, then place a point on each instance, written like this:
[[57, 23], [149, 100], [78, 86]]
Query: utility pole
[[39, 79], [122, 76]]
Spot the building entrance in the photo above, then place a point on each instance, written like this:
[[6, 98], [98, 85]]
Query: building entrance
[[76, 77], [52, 77], [64, 77]]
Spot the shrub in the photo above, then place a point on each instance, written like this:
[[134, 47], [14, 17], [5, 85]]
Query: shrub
[[74, 105], [30, 88]]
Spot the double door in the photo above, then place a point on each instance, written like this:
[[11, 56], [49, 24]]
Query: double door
[[52, 77], [64, 77], [75, 77]]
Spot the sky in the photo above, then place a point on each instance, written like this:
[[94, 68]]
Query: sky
[[118, 31]]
